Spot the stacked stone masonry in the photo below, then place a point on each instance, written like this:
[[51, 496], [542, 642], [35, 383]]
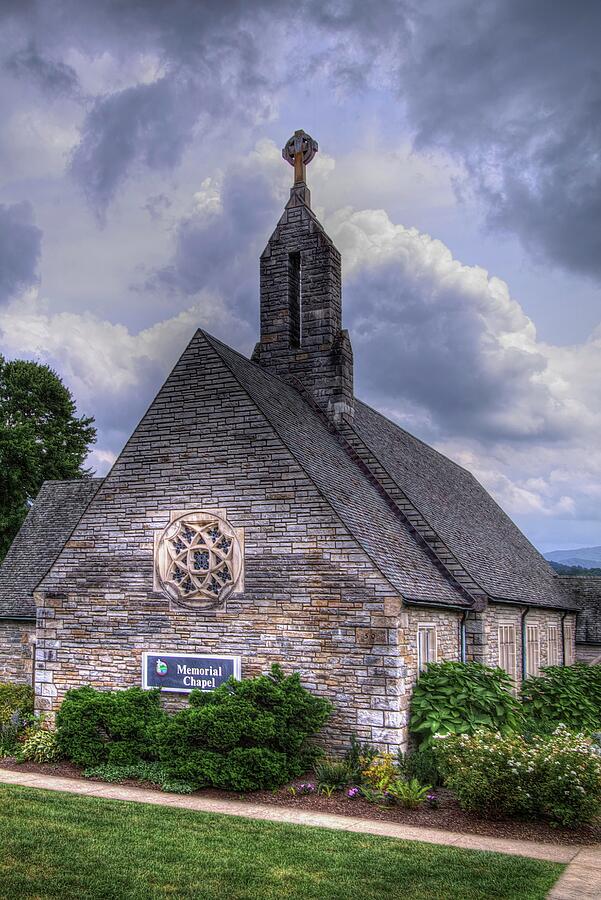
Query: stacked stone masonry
[[17, 642]]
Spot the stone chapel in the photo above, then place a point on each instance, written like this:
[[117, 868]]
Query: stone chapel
[[261, 512]]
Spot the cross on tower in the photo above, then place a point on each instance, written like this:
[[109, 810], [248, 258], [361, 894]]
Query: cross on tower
[[299, 151]]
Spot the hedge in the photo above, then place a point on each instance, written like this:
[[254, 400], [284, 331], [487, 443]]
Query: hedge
[[244, 736]]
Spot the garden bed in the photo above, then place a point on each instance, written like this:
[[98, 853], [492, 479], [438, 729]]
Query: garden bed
[[448, 816]]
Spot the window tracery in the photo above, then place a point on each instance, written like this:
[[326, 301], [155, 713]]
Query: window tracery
[[199, 560]]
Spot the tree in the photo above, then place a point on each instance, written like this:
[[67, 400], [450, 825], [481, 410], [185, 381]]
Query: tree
[[41, 438]]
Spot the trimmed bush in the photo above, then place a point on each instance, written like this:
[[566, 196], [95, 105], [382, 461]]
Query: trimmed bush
[[118, 727], [245, 735], [569, 695], [460, 698], [557, 776]]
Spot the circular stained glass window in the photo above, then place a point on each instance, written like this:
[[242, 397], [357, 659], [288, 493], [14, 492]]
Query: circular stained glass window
[[199, 560]]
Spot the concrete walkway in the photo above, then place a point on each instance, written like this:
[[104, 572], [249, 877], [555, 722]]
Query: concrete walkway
[[580, 881]]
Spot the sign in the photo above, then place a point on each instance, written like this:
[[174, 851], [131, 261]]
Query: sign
[[185, 672]]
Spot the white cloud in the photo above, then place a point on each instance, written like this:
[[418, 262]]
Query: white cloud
[[111, 371]]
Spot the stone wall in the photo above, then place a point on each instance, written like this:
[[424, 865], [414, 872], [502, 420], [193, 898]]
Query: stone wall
[[16, 651], [313, 600], [499, 614]]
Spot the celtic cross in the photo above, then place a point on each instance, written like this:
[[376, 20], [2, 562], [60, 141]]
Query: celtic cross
[[299, 151]]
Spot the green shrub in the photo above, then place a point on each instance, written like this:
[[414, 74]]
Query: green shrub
[[359, 755], [420, 764], [459, 698], [245, 735], [408, 793], [119, 727], [15, 699], [568, 695], [558, 775], [40, 746], [336, 773], [16, 714], [9, 740]]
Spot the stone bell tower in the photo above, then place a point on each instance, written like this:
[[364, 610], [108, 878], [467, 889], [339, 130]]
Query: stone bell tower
[[302, 339]]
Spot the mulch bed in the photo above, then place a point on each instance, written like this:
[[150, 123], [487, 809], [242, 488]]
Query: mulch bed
[[448, 817]]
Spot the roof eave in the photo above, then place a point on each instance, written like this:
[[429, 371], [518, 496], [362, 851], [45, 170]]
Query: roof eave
[[437, 604], [535, 604]]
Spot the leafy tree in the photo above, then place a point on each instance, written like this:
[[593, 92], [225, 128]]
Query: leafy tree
[[41, 438]]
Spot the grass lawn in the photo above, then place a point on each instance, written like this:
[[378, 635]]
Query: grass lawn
[[67, 846]]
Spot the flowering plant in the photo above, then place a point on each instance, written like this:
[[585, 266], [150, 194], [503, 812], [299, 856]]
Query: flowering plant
[[558, 776], [307, 787], [432, 800], [353, 792]]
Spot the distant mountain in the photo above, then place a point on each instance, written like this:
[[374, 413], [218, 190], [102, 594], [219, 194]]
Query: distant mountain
[[585, 557]]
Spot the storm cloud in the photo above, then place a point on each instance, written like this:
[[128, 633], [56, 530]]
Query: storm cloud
[[20, 245], [514, 90]]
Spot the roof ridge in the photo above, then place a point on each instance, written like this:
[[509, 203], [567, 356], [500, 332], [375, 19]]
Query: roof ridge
[[82, 479]]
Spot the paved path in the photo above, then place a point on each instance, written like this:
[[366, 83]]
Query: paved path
[[580, 881]]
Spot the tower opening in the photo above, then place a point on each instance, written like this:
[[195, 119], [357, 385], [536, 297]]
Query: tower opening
[[295, 299]]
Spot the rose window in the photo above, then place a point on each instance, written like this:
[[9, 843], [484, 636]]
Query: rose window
[[199, 560]]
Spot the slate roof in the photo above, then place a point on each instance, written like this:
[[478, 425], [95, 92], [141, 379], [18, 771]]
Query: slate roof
[[483, 537], [359, 506], [48, 525]]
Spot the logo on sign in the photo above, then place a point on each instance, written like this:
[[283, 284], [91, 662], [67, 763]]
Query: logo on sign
[[161, 667]]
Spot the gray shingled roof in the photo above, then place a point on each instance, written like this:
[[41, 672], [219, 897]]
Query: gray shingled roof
[[483, 537], [343, 485], [49, 523]]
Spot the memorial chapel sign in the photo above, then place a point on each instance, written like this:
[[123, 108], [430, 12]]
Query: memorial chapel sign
[[185, 672]]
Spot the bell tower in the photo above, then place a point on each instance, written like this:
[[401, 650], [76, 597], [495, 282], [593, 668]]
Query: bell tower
[[302, 337]]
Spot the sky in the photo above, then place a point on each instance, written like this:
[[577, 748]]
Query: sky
[[459, 174]]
